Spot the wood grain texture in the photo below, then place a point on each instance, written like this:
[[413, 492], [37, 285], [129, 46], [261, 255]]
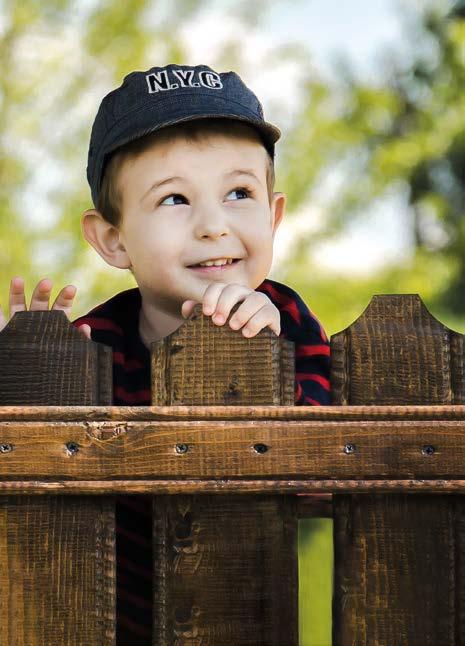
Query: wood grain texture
[[274, 449], [396, 353], [216, 581], [57, 565], [398, 558], [213, 365], [120, 415], [399, 580], [47, 361], [225, 568], [244, 486], [57, 571]]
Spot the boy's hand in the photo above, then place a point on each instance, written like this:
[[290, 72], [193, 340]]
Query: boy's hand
[[255, 313], [40, 300]]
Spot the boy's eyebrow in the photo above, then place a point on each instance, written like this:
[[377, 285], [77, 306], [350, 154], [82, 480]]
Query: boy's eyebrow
[[242, 171], [160, 183]]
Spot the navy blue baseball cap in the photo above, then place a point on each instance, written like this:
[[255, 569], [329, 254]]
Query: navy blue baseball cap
[[163, 96]]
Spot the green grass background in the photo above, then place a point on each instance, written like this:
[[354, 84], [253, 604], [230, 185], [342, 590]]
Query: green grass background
[[315, 581]]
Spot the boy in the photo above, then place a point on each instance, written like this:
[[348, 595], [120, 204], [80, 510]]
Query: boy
[[168, 149]]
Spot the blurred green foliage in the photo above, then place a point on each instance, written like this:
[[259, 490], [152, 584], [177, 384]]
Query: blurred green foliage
[[406, 133]]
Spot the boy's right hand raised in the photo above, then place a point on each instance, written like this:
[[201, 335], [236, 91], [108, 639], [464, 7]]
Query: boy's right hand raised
[[40, 300]]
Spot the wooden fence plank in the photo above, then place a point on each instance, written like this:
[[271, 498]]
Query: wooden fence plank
[[56, 571], [397, 557], [210, 365], [278, 449], [47, 361], [119, 415], [225, 570], [57, 567]]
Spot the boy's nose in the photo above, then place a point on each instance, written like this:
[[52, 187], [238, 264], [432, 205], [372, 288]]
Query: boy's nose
[[211, 224]]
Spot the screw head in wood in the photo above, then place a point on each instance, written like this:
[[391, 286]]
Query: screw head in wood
[[428, 449], [260, 448], [349, 448], [72, 447], [6, 448], [181, 448]]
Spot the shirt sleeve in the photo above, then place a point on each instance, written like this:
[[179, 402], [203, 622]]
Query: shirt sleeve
[[312, 355]]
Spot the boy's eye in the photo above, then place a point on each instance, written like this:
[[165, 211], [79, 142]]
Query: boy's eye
[[241, 190], [174, 196]]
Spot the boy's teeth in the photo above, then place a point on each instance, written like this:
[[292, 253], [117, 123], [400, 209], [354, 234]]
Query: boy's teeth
[[217, 263]]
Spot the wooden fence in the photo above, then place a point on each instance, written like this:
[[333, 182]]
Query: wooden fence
[[223, 451]]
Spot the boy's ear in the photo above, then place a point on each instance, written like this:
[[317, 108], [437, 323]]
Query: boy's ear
[[105, 239], [277, 207]]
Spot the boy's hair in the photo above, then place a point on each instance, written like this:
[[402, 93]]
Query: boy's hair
[[110, 198]]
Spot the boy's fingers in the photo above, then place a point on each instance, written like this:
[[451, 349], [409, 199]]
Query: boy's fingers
[[252, 304], [17, 296], [265, 317], [85, 330], [232, 294], [219, 298], [40, 299], [211, 296], [64, 300]]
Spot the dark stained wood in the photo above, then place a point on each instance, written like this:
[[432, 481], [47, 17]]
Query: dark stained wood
[[315, 506], [122, 414], [395, 570], [396, 353], [272, 449], [57, 571], [46, 360], [214, 365], [57, 566], [225, 570], [216, 580], [398, 558], [244, 486]]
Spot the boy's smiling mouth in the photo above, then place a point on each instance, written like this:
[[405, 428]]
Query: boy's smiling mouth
[[214, 264]]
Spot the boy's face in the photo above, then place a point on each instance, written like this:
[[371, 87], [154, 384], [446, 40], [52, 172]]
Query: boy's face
[[207, 208]]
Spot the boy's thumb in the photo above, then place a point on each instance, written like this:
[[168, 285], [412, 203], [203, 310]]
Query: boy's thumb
[[85, 330]]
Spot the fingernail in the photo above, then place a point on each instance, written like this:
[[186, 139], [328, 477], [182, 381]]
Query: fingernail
[[207, 310], [218, 318]]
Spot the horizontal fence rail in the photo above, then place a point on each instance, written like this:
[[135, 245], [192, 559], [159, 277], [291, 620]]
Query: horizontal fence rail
[[219, 450]]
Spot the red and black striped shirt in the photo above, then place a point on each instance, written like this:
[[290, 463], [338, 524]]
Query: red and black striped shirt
[[116, 323]]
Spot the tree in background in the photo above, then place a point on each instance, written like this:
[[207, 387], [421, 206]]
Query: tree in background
[[405, 133]]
